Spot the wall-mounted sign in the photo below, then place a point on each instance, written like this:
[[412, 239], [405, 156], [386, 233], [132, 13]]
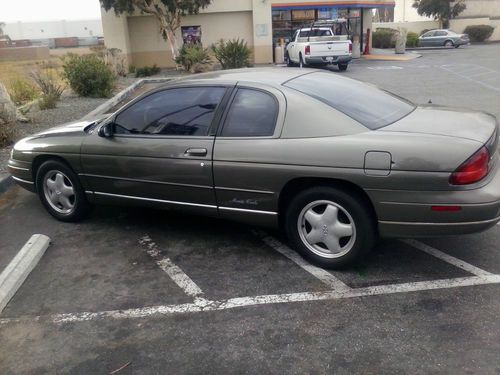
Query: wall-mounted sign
[[261, 29], [191, 34], [306, 14]]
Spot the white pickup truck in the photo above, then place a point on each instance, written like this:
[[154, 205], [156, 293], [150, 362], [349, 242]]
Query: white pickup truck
[[319, 45]]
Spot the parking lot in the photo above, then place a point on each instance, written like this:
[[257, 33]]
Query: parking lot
[[159, 292]]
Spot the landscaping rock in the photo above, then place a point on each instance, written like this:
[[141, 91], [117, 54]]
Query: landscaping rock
[[7, 107]]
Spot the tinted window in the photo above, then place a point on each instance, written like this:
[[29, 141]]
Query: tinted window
[[252, 114], [440, 33], [366, 104], [430, 33], [182, 111], [315, 32]]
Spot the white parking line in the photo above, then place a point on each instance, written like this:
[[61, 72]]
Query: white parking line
[[270, 299], [324, 276], [174, 272], [447, 258], [495, 88]]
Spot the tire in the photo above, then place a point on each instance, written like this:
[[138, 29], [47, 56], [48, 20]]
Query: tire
[[61, 192], [448, 43], [457, 45], [343, 236], [289, 62], [301, 61], [343, 67]]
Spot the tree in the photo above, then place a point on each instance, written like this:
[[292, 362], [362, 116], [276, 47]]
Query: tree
[[442, 10], [168, 13], [3, 36]]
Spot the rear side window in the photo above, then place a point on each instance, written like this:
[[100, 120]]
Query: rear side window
[[253, 113], [440, 33], [370, 106]]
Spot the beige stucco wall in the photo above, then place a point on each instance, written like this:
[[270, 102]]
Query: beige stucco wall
[[148, 47]]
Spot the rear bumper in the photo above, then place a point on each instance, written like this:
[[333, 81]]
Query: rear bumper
[[328, 59], [410, 214]]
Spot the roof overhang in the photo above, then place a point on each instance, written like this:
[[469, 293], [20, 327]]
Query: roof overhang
[[333, 4]]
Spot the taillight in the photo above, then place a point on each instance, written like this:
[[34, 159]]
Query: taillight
[[350, 47], [308, 50], [473, 170]]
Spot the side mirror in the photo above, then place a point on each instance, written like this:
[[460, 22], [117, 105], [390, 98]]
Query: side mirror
[[107, 130]]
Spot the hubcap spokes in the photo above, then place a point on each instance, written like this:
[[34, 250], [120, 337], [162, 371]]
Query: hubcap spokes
[[327, 229], [59, 192]]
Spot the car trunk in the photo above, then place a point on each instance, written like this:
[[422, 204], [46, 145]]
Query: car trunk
[[443, 121], [330, 48]]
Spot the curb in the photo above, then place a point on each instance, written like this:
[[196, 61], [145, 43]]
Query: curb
[[106, 106], [6, 181], [16, 272]]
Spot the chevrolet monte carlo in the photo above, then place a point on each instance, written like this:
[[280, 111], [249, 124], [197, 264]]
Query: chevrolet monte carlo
[[335, 162]]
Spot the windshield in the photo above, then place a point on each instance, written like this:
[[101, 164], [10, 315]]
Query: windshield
[[372, 107]]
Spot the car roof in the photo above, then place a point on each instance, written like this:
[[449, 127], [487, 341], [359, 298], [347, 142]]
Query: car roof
[[274, 76]]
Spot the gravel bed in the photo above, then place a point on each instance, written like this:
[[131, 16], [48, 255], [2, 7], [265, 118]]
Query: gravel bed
[[69, 108]]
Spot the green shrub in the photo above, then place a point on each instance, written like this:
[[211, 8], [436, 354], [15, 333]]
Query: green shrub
[[48, 101], [131, 69], [478, 33], [47, 83], [232, 54], [384, 38], [22, 91], [7, 133], [411, 39], [88, 75], [193, 58], [147, 71]]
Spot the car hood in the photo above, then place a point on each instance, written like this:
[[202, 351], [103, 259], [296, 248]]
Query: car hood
[[73, 128], [449, 122]]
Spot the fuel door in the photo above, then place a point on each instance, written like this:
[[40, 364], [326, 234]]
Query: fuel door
[[378, 163]]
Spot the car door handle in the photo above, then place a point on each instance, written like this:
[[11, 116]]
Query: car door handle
[[196, 152]]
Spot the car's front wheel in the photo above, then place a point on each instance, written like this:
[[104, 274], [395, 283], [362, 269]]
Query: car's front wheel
[[60, 191], [330, 227]]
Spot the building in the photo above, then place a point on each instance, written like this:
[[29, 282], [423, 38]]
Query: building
[[53, 29], [477, 12], [261, 23]]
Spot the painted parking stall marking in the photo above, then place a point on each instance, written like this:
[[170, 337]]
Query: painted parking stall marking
[[324, 276], [200, 304]]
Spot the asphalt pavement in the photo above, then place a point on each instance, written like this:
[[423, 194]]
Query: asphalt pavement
[[157, 292]]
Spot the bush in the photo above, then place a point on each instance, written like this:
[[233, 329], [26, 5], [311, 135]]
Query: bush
[[22, 91], [131, 69], [7, 133], [479, 33], [88, 76], [411, 39], [193, 58], [232, 54], [384, 38], [147, 71], [48, 101]]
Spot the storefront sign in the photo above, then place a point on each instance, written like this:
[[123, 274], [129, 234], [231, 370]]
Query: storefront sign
[[307, 14]]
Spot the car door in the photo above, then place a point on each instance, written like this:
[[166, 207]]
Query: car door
[[160, 150], [251, 125], [439, 38], [427, 40], [292, 48]]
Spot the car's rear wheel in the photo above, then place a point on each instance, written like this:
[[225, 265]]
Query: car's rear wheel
[[301, 61], [343, 67], [61, 192], [448, 43], [329, 227]]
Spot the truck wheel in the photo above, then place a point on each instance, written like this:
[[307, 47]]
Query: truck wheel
[[329, 227], [343, 67], [301, 61], [288, 61]]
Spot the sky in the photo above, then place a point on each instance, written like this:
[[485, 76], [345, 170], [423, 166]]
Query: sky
[[48, 10]]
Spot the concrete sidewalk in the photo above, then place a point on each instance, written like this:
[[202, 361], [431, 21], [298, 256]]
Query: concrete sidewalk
[[377, 54]]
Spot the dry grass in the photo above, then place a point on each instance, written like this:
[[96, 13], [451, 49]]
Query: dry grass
[[22, 69]]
